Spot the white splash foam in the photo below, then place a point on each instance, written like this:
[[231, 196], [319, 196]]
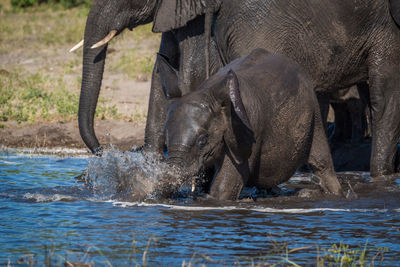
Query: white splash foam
[[51, 151], [44, 198], [129, 175], [272, 210], [9, 162], [257, 209]]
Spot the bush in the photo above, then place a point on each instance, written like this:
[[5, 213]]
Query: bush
[[64, 3]]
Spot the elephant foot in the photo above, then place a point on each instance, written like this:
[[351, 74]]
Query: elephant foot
[[386, 179], [275, 191]]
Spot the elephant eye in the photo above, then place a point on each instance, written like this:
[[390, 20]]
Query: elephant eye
[[202, 140]]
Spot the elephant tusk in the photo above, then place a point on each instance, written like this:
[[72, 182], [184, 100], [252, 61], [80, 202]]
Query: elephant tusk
[[76, 46], [193, 184], [106, 39]]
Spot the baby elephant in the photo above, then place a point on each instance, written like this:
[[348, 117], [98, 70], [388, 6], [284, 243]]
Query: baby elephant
[[256, 121]]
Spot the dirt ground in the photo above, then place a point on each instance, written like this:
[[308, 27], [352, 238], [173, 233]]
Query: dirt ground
[[121, 85], [120, 133], [130, 95]]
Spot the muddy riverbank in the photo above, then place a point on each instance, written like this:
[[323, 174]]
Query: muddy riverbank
[[121, 134]]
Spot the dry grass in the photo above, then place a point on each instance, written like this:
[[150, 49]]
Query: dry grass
[[35, 62]]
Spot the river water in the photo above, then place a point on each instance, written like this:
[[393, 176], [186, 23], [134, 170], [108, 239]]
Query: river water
[[48, 217]]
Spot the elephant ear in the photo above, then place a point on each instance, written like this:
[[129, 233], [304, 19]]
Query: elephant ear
[[239, 136], [395, 10], [169, 77], [174, 14]]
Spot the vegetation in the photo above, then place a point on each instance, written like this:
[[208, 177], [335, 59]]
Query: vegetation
[[64, 3], [133, 64], [32, 98], [40, 80], [280, 255], [345, 255]]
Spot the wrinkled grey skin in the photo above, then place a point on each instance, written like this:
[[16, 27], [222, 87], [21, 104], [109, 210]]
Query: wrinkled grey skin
[[339, 43], [181, 48], [256, 121]]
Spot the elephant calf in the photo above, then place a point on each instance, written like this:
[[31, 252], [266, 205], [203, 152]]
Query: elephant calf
[[256, 121]]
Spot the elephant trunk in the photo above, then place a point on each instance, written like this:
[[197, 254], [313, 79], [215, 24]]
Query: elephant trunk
[[92, 75], [183, 161], [176, 162]]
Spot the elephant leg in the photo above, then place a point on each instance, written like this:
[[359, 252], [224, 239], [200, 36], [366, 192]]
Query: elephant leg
[[340, 112], [356, 111], [385, 103], [229, 181], [156, 115], [363, 92], [323, 100], [320, 159], [158, 105]]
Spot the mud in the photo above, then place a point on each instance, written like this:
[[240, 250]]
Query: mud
[[302, 192], [121, 134], [134, 176]]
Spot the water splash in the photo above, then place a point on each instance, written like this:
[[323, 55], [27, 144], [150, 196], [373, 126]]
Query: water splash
[[37, 197], [131, 176], [254, 208], [49, 151]]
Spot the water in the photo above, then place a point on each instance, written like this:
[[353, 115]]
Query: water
[[49, 217]]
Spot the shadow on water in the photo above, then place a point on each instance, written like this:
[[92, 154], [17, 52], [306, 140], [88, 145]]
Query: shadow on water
[[119, 212]]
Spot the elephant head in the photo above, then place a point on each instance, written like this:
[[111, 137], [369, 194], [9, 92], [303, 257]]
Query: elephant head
[[108, 18], [207, 124]]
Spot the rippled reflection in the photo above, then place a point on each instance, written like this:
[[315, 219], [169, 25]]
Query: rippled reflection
[[43, 209]]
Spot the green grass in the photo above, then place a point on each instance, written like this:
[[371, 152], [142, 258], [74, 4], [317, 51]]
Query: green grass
[[38, 97], [41, 28], [40, 80], [133, 64], [135, 60], [344, 255], [23, 4], [279, 254]]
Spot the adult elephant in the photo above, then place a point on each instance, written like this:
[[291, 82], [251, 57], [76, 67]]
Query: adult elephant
[[177, 64], [339, 43]]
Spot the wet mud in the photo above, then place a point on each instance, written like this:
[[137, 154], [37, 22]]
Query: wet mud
[[121, 134], [134, 177]]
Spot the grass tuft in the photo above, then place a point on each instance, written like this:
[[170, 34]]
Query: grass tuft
[[134, 65], [38, 97], [279, 255], [39, 78]]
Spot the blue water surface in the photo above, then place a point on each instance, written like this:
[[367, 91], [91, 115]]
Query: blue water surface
[[46, 216]]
